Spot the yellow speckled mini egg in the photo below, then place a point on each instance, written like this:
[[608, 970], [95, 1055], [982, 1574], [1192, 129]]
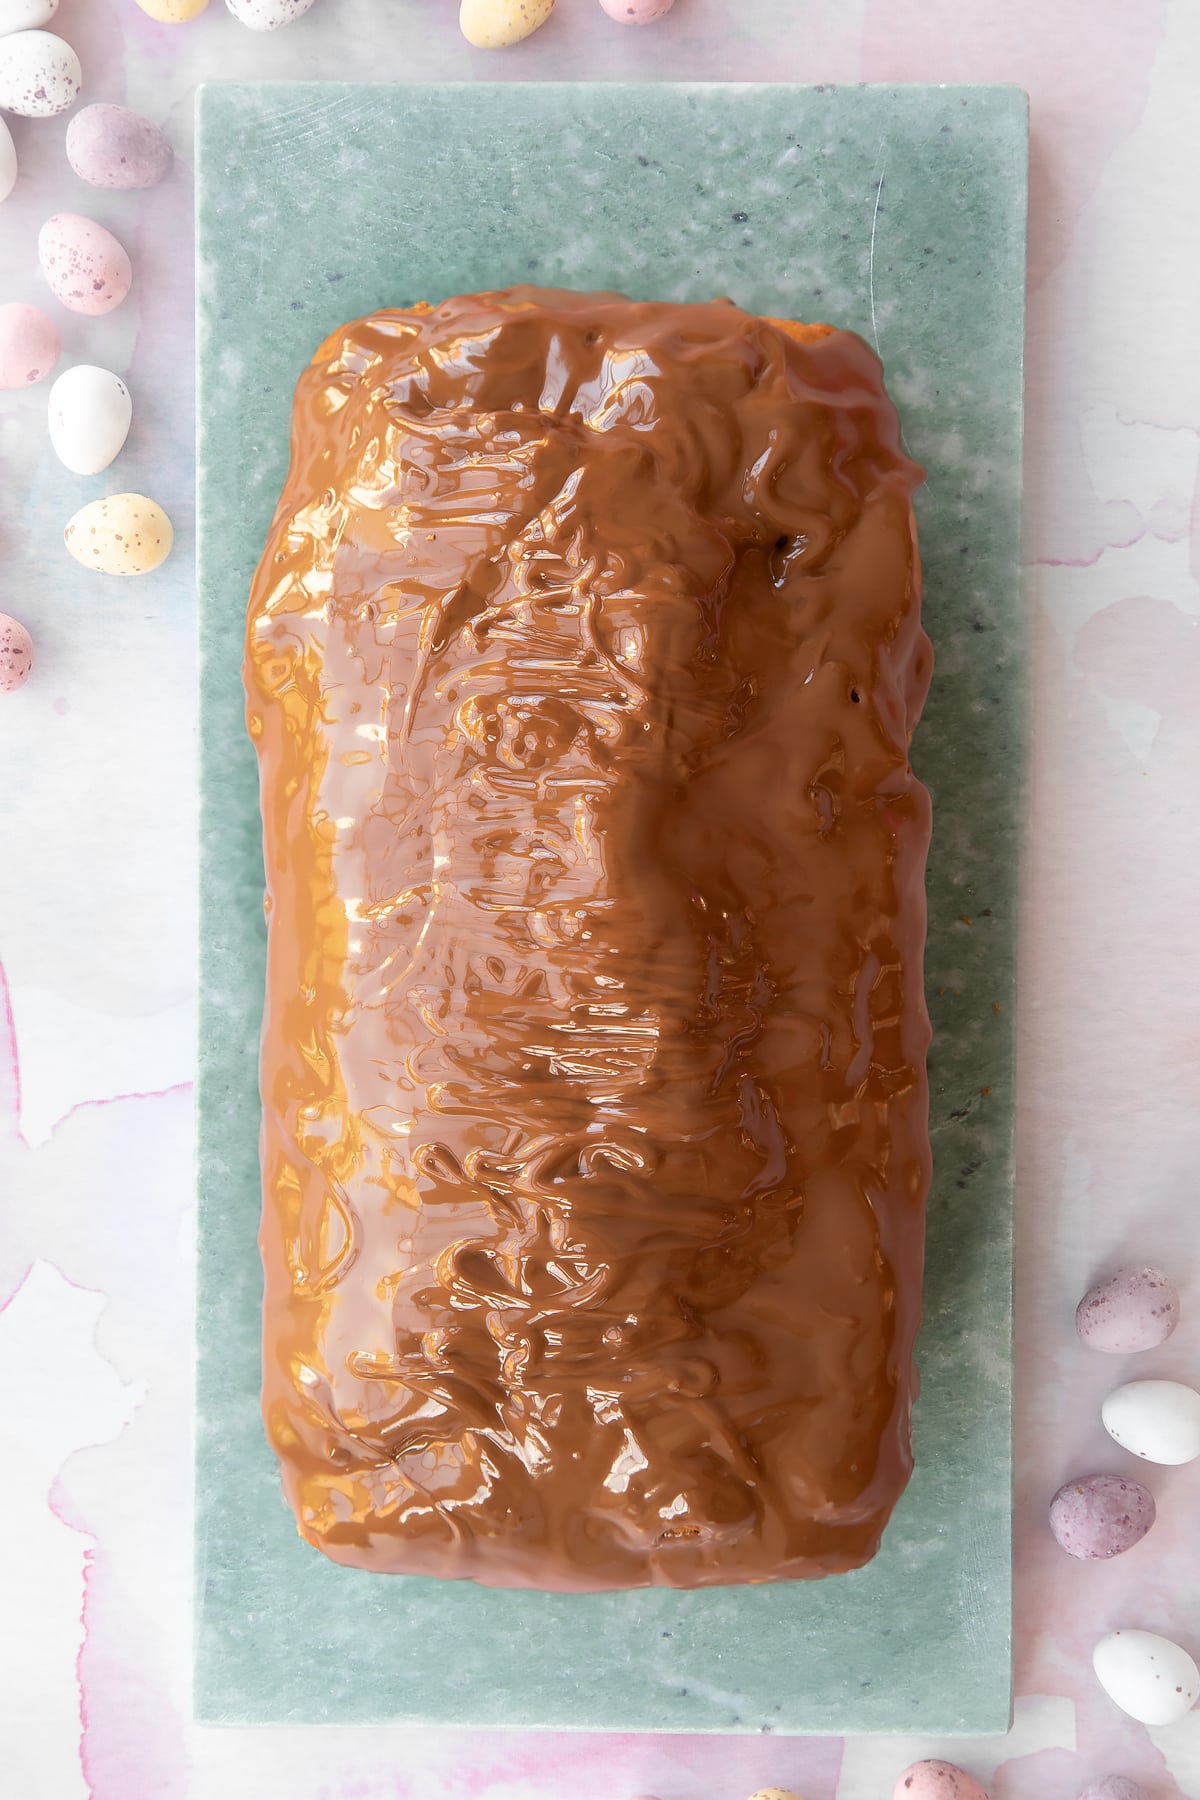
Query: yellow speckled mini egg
[[173, 12], [494, 24], [123, 535]]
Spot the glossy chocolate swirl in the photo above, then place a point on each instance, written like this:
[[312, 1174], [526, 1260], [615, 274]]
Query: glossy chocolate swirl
[[582, 662]]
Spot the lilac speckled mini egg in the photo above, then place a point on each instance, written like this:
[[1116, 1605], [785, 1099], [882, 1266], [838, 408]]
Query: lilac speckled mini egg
[[112, 147], [1101, 1516], [1112, 1787], [87, 269], [16, 654], [1135, 1309], [937, 1781]]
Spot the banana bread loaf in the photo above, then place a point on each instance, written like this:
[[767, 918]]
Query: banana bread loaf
[[582, 663]]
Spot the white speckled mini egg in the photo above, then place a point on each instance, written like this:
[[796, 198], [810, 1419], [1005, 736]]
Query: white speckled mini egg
[[173, 12], [29, 345], [636, 12], [89, 414], [112, 147], [1101, 1516], [8, 162], [39, 74], [268, 15], [25, 15], [1135, 1309], [1147, 1676], [495, 24], [127, 534], [1157, 1420], [1112, 1787], [16, 654], [937, 1781], [87, 269]]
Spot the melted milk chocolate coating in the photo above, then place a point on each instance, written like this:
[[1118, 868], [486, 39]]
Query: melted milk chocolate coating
[[582, 662]]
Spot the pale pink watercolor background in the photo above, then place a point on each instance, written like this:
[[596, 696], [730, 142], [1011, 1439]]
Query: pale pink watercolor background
[[96, 912]]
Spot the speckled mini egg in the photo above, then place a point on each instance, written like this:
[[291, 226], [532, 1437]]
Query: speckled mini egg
[[173, 12], [16, 654], [937, 1781], [87, 269], [123, 535], [25, 15], [1101, 1516], [89, 413], [1112, 1787], [1156, 1420], [8, 162], [268, 15], [636, 12], [1135, 1309], [774, 1794], [39, 74], [29, 345], [112, 147], [1147, 1676], [495, 24]]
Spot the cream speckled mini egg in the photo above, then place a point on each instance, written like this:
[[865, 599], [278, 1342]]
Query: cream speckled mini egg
[[25, 15], [267, 15], [495, 24], [127, 534], [1147, 1676], [87, 269], [173, 12], [774, 1794], [39, 74], [937, 1781]]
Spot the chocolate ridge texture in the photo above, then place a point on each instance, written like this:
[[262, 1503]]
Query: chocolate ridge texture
[[582, 663]]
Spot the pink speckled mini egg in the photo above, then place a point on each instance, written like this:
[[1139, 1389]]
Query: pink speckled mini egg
[[637, 12], [16, 654], [87, 269], [1135, 1309], [29, 345], [937, 1781]]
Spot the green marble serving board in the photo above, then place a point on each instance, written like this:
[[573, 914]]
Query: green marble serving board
[[899, 212]]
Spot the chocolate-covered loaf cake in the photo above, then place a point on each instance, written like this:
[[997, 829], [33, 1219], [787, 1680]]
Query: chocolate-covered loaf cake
[[582, 663]]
